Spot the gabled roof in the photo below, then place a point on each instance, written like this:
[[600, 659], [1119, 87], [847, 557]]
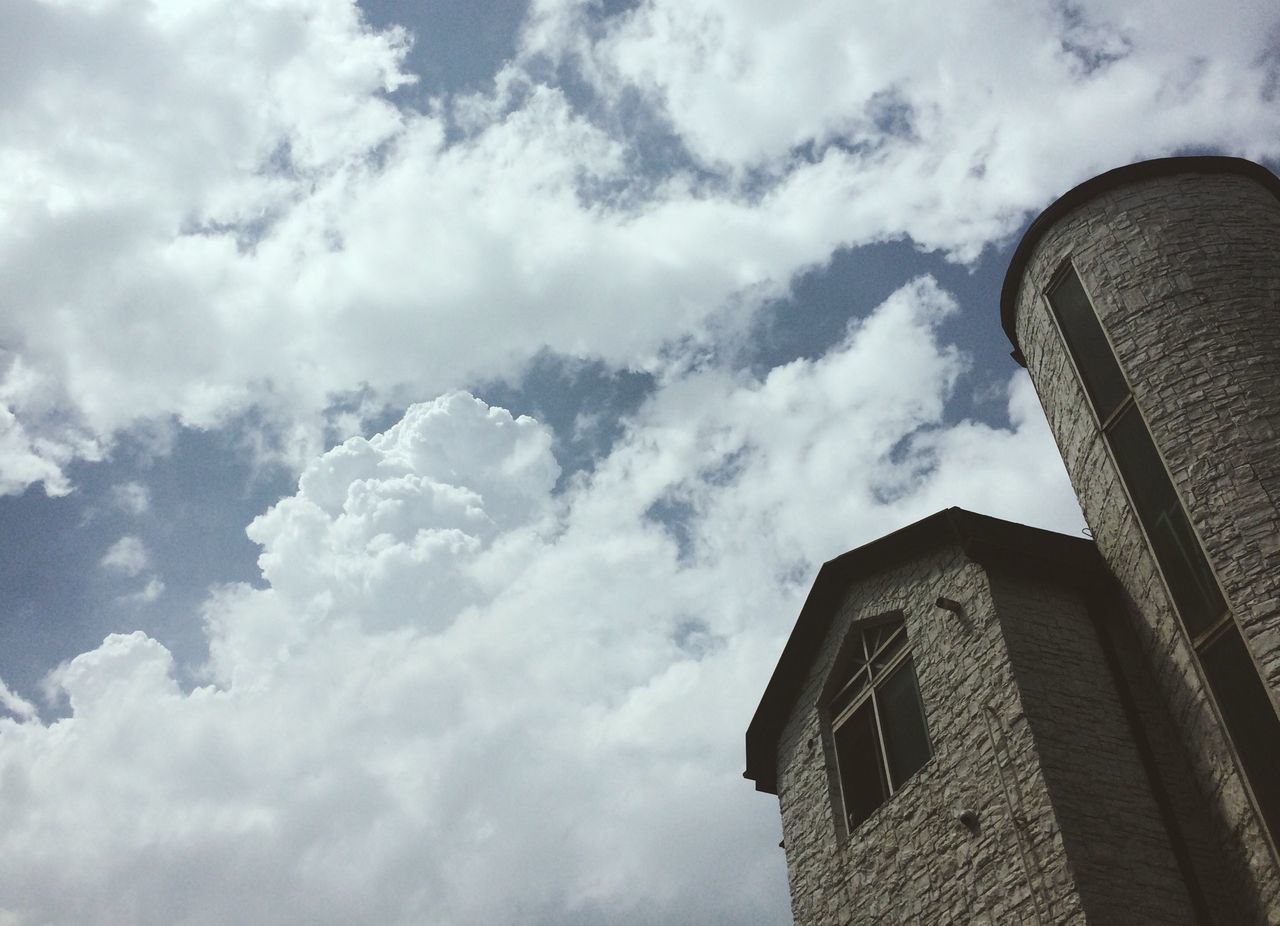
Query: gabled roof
[[986, 540]]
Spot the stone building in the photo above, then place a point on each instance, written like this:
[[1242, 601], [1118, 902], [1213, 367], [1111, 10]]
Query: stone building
[[975, 721]]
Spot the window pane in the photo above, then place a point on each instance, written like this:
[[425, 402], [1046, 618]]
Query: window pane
[[902, 716], [1190, 581], [1140, 464], [1103, 380], [850, 693], [877, 637], [882, 658], [1250, 719], [1195, 593], [862, 781]]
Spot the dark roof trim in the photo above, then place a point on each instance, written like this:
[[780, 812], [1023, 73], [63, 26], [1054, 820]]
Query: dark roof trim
[[1077, 196], [986, 540]]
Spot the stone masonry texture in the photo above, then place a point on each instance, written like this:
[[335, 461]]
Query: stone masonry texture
[[1028, 733], [1116, 839], [1183, 273], [1220, 863], [912, 861]]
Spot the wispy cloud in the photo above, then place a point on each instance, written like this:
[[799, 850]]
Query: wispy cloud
[[131, 497], [127, 556], [16, 705], [148, 594]]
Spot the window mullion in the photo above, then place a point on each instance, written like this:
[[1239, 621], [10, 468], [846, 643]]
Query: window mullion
[[1202, 640], [873, 678], [1119, 410], [897, 660], [884, 755], [1195, 594], [850, 709], [862, 726]]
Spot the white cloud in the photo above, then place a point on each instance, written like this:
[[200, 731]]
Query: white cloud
[[127, 556], [133, 136], [209, 208], [149, 593], [22, 463], [27, 458], [15, 704], [977, 96], [463, 699], [131, 497]]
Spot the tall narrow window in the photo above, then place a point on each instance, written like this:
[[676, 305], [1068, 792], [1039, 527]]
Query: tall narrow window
[[877, 720], [1242, 698]]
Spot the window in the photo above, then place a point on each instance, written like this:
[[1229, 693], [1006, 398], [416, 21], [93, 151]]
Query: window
[[1242, 700], [877, 720], [1191, 584]]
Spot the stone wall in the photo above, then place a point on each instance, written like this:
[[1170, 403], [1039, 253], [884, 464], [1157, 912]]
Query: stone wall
[[1221, 865], [912, 861], [1116, 838], [1183, 273]]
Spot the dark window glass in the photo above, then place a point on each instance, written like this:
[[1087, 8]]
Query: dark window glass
[[862, 781], [877, 721], [888, 652], [1088, 345], [1247, 711], [902, 715], [1250, 718], [1140, 465], [851, 692], [1191, 583]]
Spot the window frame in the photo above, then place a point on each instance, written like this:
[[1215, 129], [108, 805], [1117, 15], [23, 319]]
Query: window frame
[[1201, 639], [1216, 630], [856, 657]]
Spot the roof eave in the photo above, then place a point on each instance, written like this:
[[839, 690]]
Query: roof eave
[[986, 540], [1095, 186]]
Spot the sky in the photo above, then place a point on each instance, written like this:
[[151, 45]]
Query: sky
[[420, 423]]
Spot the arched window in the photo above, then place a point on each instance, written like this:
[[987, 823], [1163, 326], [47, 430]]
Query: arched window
[[877, 719]]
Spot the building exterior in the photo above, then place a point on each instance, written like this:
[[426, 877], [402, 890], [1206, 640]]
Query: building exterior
[[979, 722]]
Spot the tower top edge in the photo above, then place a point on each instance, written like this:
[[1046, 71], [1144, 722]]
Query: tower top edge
[[1095, 186]]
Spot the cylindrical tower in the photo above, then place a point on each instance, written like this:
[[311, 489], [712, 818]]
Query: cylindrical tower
[[1145, 304]]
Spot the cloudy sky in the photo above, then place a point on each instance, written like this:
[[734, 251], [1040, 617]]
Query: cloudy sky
[[421, 422]]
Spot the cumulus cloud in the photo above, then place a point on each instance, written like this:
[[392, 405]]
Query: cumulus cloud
[[471, 691], [203, 220], [127, 556], [464, 698]]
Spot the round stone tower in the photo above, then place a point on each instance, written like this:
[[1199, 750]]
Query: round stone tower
[[1145, 304]]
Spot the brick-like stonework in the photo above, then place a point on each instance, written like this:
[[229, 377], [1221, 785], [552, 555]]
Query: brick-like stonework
[[1115, 838], [1183, 272], [1221, 864], [1027, 732], [912, 861]]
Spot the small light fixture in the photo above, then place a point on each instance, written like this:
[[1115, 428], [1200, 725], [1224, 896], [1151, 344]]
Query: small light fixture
[[969, 820]]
